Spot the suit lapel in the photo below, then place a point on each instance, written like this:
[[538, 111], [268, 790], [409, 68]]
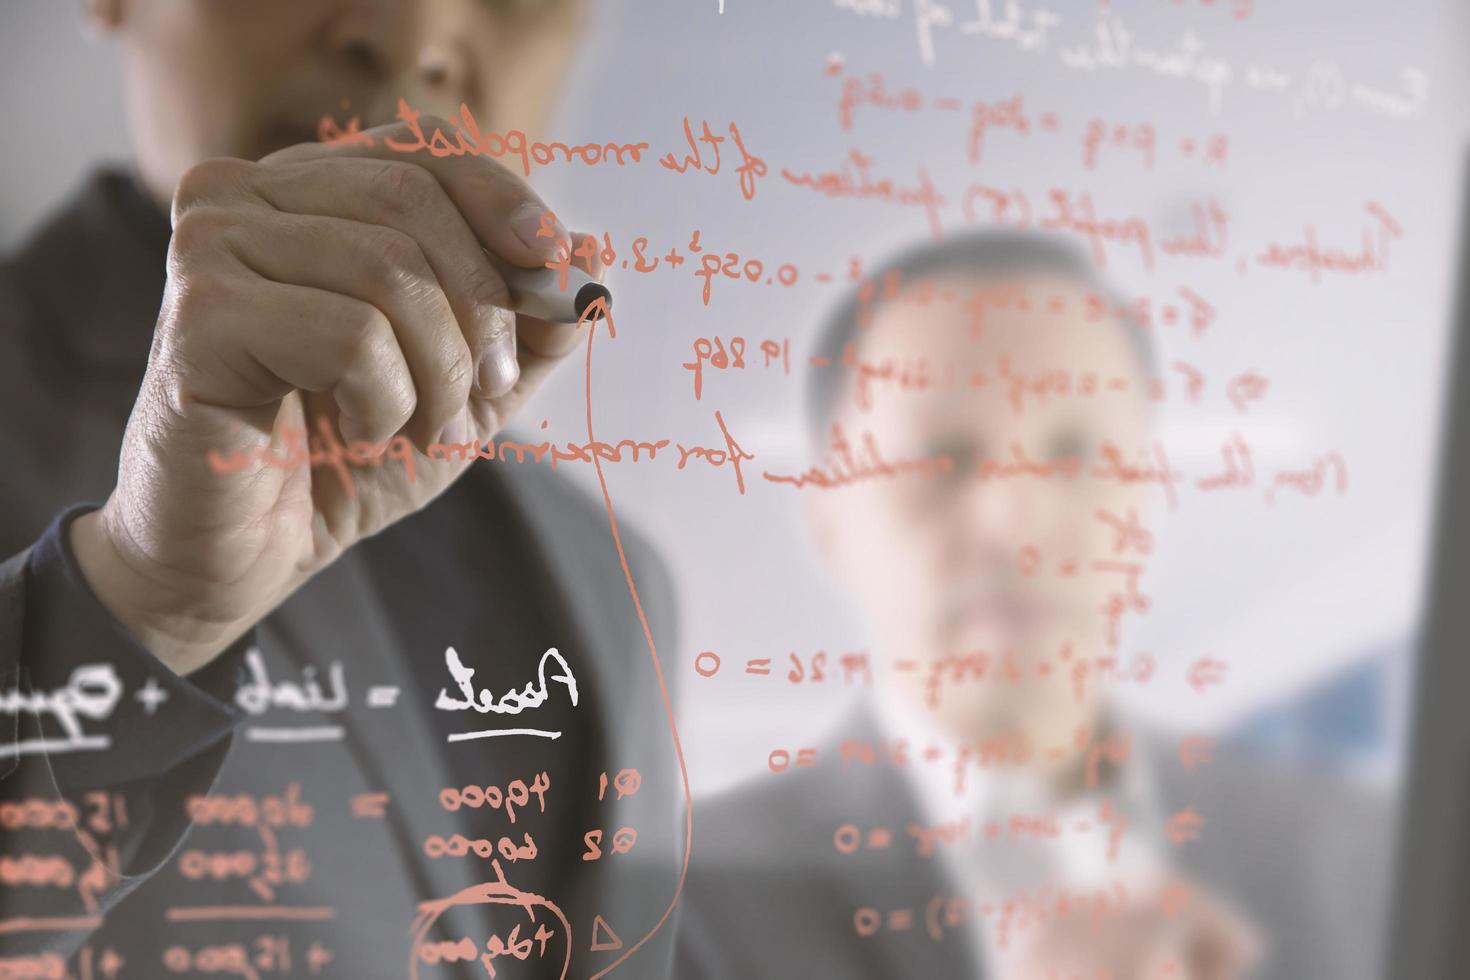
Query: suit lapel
[[12, 618], [896, 880], [593, 606], [621, 692], [338, 616]]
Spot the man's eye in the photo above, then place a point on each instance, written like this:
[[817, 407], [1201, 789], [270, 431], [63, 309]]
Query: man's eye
[[963, 453], [1064, 445]]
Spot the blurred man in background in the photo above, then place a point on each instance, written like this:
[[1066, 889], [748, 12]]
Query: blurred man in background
[[987, 811], [239, 282]]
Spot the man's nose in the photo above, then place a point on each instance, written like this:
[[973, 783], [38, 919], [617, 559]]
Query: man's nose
[[995, 516], [405, 49], [443, 69]]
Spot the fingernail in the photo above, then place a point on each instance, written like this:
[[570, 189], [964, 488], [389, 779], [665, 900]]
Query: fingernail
[[525, 221], [498, 370]]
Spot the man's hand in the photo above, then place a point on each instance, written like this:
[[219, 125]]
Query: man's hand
[[325, 282], [1203, 940]]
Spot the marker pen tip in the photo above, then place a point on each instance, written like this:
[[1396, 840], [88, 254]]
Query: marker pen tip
[[590, 294]]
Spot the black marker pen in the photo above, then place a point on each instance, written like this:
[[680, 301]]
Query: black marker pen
[[537, 292]]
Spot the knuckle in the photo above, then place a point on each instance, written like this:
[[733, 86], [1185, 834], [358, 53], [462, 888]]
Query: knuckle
[[207, 179], [501, 326], [487, 289], [402, 402], [172, 390], [455, 379], [190, 306], [365, 333], [199, 228], [406, 187], [451, 371], [399, 258], [367, 339], [396, 399]]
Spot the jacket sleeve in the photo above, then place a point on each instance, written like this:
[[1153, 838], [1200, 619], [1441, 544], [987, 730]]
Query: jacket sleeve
[[101, 746]]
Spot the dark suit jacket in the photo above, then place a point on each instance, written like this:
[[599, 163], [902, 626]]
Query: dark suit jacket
[[513, 559], [769, 896]]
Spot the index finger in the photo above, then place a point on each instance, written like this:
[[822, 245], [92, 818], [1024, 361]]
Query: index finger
[[502, 210]]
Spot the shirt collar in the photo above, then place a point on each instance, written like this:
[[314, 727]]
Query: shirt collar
[[1000, 793]]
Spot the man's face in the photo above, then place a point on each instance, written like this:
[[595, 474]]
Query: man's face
[[243, 78], [942, 565]]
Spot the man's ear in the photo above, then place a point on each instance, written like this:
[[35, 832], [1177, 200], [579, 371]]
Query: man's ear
[[103, 16]]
